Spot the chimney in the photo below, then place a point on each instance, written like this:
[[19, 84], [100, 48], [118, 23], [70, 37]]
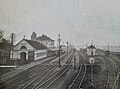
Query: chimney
[[23, 36]]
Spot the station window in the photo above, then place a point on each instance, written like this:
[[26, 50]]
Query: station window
[[23, 47], [41, 54]]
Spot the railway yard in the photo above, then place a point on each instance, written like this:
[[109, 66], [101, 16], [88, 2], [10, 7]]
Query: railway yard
[[76, 72], [59, 44]]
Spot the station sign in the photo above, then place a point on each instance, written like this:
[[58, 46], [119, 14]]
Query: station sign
[[91, 60], [59, 40]]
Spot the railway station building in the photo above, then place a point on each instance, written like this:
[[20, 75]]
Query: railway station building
[[28, 50]]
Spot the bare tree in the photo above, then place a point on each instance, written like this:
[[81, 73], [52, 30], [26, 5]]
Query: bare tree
[[1, 34]]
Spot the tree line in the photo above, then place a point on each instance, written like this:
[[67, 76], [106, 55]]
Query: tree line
[[5, 48]]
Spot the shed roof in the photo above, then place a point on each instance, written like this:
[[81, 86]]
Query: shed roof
[[37, 45], [91, 46]]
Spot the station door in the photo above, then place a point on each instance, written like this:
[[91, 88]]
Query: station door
[[23, 57]]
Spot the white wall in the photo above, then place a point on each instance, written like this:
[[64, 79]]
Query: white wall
[[23, 43], [89, 51], [17, 50], [40, 52], [16, 54]]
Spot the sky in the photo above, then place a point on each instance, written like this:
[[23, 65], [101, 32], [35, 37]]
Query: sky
[[78, 21]]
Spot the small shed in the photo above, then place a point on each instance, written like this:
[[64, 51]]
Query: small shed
[[91, 50]]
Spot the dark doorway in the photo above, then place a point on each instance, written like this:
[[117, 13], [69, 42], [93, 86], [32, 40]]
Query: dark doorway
[[92, 53], [23, 57]]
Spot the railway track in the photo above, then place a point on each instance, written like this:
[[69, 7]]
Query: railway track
[[26, 76], [52, 79], [77, 82], [116, 63], [30, 81], [110, 72], [49, 78], [2, 79], [6, 82], [23, 76]]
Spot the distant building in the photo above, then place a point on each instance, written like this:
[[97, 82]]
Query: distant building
[[91, 50], [47, 41], [28, 50]]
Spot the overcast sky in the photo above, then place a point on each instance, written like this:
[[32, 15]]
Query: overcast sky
[[78, 21]]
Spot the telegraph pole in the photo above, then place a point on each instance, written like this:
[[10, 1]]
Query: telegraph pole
[[91, 60], [12, 38], [74, 62], [67, 48], [79, 63], [59, 49], [91, 42]]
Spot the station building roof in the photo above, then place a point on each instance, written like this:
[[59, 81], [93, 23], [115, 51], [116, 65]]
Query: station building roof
[[44, 37], [37, 45]]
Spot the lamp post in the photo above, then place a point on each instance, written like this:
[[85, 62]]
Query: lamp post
[[92, 74], [59, 40], [67, 48]]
